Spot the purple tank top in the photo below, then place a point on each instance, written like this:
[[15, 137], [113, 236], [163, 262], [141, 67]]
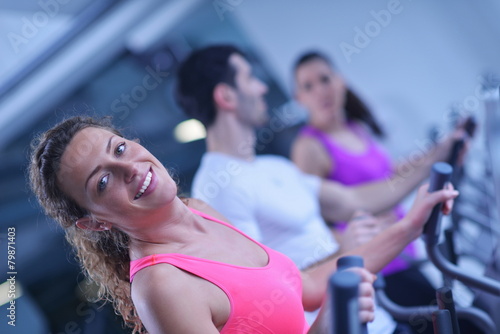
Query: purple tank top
[[352, 168]]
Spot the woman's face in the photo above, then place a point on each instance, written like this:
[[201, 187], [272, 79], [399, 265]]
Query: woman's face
[[117, 180], [320, 90]]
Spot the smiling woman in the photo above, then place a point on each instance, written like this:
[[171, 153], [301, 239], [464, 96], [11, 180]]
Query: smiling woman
[[114, 170], [161, 260], [101, 254]]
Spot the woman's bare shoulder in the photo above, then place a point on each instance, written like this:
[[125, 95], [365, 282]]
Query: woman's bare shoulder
[[204, 207], [311, 156], [167, 298]]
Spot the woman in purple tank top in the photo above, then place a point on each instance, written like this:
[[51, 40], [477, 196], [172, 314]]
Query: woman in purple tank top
[[336, 144]]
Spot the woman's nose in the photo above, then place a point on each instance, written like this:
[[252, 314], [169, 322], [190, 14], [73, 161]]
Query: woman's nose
[[128, 170]]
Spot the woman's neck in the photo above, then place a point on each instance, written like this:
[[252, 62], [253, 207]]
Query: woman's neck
[[334, 125], [175, 227]]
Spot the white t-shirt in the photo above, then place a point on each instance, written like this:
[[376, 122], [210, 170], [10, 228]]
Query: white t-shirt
[[270, 200], [275, 203]]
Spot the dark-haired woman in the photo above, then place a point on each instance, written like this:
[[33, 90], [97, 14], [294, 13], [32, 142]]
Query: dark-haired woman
[[338, 143]]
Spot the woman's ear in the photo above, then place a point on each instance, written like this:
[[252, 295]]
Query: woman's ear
[[224, 97], [88, 223]]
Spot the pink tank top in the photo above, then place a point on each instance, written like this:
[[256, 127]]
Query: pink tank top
[[263, 299], [352, 168]]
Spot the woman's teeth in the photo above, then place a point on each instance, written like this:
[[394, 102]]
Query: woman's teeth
[[145, 185]]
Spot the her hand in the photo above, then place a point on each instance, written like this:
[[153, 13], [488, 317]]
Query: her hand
[[425, 202], [366, 297], [366, 301], [445, 147]]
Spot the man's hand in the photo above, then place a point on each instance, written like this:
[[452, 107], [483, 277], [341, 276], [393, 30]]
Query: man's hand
[[360, 229]]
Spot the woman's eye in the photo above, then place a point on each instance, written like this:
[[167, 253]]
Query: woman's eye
[[120, 149], [307, 87], [325, 79], [101, 185]]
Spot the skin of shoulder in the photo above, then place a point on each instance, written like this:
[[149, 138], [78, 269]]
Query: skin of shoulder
[[204, 207], [167, 300], [311, 157]]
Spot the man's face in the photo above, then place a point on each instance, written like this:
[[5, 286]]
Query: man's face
[[252, 109]]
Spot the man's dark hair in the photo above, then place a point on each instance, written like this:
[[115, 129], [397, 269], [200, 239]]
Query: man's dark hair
[[197, 77], [355, 108]]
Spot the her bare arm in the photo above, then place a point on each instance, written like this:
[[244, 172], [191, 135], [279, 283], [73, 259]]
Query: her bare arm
[[383, 248], [310, 156], [338, 202], [172, 307]]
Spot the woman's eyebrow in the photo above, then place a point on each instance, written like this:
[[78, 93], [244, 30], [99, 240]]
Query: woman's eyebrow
[[108, 149]]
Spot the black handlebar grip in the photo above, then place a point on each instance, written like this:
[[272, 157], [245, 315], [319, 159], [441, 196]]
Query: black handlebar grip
[[445, 301], [441, 322], [440, 174], [379, 283], [351, 261], [455, 151], [344, 291], [470, 126]]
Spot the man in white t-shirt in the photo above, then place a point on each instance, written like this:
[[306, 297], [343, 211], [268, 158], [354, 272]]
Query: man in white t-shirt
[[268, 197]]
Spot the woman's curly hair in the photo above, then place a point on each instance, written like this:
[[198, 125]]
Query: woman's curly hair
[[104, 255]]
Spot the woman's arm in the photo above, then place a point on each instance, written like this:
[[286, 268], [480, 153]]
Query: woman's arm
[[338, 202], [168, 302], [382, 249], [418, 160], [310, 156]]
